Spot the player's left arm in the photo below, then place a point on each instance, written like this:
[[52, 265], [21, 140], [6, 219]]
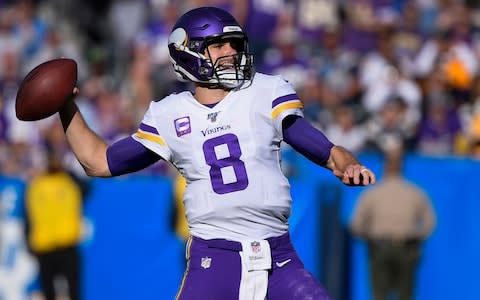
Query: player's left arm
[[314, 145]]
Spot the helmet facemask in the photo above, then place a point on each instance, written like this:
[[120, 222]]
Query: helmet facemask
[[230, 71]]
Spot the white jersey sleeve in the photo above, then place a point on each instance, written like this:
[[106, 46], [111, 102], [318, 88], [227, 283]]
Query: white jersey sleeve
[[148, 133], [285, 102]]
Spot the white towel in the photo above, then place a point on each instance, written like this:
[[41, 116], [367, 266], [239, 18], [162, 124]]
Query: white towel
[[256, 261]]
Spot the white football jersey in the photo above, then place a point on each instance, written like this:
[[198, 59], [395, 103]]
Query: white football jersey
[[229, 155]]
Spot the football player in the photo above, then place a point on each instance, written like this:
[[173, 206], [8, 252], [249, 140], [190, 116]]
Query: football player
[[225, 140]]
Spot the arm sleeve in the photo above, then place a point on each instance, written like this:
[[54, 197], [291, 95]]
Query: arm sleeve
[[285, 103], [306, 139], [127, 156]]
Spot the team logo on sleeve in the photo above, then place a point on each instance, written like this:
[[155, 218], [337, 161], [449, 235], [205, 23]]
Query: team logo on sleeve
[[182, 126]]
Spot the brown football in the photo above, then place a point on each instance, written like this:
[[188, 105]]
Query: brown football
[[45, 88]]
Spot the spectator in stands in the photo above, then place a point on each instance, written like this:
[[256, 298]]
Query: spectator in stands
[[138, 87], [361, 24], [345, 131], [440, 128], [383, 72], [315, 17], [408, 34], [31, 30], [261, 18], [449, 55], [390, 126], [152, 41], [337, 67], [54, 218], [285, 59], [9, 42], [336, 72], [394, 218]]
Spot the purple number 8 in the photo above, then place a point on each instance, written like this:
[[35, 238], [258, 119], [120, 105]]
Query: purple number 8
[[233, 160]]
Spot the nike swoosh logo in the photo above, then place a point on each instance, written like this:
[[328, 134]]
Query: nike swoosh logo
[[281, 264]]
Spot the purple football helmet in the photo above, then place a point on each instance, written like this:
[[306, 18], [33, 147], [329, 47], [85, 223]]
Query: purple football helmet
[[188, 46]]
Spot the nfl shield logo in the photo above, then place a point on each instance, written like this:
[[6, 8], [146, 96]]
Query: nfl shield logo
[[206, 262], [255, 246]]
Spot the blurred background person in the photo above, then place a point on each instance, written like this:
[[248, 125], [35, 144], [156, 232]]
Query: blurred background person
[[390, 126], [54, 218], [394, 217], [259, 20], [383, 72], [285, 58], [344, 130], [440, 129]]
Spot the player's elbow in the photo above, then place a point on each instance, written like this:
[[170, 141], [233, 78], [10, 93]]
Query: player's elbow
[[96, 166], [95, 171]]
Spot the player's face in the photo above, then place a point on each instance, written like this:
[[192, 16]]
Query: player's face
[[222, 50]]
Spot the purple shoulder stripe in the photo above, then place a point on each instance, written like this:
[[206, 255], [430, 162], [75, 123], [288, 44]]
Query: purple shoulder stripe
[[148, 128], [285, 98]]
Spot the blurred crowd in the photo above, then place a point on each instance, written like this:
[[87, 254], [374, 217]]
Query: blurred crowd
[[371, 73]]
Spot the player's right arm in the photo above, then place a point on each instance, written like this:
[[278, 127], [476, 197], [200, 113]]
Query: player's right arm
[[97, 157], [88, 147]]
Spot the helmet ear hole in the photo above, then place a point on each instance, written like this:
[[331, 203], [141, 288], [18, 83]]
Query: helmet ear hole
[[203, 71], [196, 46]]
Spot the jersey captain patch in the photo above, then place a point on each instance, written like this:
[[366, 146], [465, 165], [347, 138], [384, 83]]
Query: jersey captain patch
[[182, 126]]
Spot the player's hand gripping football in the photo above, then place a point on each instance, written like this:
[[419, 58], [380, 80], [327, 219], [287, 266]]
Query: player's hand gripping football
[[74, 93], [355, 174], [71, 97]]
